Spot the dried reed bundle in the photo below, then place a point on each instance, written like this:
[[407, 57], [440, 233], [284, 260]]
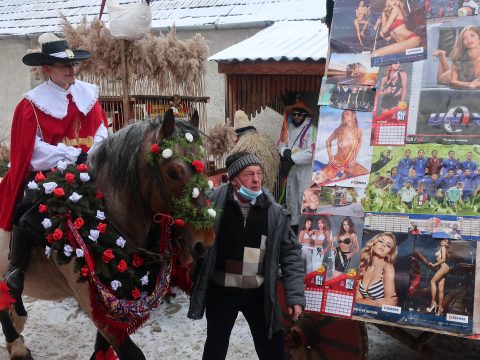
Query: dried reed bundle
[[156, 64]]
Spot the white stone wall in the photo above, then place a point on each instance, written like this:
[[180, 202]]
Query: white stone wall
[[14, 79]]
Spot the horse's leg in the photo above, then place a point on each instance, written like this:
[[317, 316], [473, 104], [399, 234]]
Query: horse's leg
[[100, 345], [15, 346], [127, 350]]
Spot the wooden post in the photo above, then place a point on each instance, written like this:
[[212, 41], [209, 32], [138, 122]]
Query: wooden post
[[125, 85]]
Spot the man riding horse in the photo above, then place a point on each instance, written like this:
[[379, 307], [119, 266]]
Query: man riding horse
[[60, 120]]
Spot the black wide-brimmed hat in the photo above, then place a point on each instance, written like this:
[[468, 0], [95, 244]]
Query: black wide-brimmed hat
[[55, 52]]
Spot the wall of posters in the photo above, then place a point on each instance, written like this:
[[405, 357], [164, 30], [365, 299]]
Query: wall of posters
[[404, 169]]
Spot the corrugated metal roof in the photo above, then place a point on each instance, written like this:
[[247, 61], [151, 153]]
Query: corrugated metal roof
[[31, 17], [285, 40]]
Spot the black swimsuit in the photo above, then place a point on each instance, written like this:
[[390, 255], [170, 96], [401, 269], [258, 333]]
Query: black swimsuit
[[341, 260]]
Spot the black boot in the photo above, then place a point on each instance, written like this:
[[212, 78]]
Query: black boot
[[19, 257]]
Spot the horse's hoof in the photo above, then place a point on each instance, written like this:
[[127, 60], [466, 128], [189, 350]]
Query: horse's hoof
[[17, 320], [18, 350]]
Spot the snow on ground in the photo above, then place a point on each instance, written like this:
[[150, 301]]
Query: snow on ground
[[60, 331]]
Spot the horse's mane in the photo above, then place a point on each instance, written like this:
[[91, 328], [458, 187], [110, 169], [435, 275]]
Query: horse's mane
[[119, 153]]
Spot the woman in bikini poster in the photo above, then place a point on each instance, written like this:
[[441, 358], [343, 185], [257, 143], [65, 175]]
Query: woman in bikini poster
[[400, 31], [343, 153], [384, 268]]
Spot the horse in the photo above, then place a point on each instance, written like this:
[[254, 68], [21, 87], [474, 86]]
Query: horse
[[137, 195]]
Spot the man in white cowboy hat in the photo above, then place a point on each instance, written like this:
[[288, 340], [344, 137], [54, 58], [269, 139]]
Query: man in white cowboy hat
[[295, 145], [260, 145], [60, 120]]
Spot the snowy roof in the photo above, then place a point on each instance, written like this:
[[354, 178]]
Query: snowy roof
[[285, 40], [33, 17]]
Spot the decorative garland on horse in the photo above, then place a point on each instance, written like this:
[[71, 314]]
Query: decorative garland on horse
[[125, 282]]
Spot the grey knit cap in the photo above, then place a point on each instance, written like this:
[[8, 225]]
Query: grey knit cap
[[241, 160]]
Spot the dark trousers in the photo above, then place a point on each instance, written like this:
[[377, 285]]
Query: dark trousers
[[223, 305]]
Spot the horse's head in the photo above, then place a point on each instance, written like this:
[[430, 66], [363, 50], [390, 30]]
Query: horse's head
[[173, 162]]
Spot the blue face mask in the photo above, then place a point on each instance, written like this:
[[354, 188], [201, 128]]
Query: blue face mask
[[248, 194]]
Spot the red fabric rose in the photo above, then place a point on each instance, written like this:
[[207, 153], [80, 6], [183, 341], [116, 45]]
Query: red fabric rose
[[78, 223], [53, 170], [42, 208], [58, 192], [109, 354], [49, 238], [179, 222], [82, 167], [69, 178], [137, 261], [57, 234], [122, 266], [85, 271], [102, 227], [155, 149], [5, 298], [39, 176], [107, 256], [99, 195], [198, 165], [136, 293]]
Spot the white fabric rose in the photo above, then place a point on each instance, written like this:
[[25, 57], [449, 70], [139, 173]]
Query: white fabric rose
[[48, 251], [67, 250], [32, 185], [189, 137], [62, 165], [120, 242], [212, 213], [47, 223], [94, 234], [167, 153], [100, 215], [49, 187], [74, 198], [195, 193], [144, 279], [115, 284], [79, 253], [84, 176], [210, 184]]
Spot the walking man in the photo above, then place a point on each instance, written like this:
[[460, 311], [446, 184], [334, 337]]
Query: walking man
[[240, 272]]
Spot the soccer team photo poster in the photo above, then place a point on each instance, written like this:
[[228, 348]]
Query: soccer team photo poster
[[342, 152], [424, 179]]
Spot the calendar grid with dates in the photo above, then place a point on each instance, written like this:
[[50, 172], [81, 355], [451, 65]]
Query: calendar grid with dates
[[391, 134]]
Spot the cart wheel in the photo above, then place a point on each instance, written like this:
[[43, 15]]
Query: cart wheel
[[318, 337], [315, 337]]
